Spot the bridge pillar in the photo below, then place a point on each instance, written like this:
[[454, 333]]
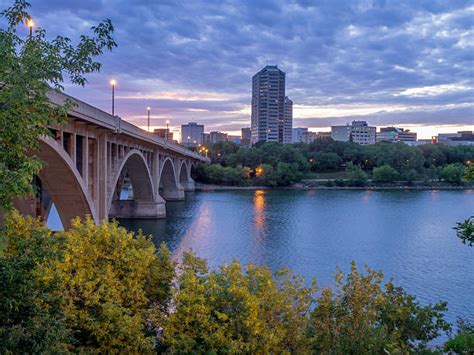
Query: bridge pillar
[[173, 194], [188, 185], [138, 209]]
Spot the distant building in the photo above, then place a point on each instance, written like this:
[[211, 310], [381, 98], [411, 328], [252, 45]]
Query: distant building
[[459, 138], [341, 133], [271, 111], [323, 134], [206, 138], [246, 136], [358, 132], [302, 135], [216, 137], [164, 133], [234, 139], [299, 135], [395, 134], [285, 128], [192, 134]]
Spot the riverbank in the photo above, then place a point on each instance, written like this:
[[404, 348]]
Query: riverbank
[[307, 186]]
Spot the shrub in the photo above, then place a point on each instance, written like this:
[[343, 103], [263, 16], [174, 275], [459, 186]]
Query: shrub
[[453, 173], [385, 173]]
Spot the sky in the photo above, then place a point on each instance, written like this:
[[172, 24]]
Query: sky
[[404, 63]]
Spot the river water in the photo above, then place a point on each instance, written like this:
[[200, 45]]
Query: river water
[[407, 234]]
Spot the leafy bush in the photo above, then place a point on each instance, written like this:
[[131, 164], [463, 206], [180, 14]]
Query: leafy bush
[[89, 289], [361, 316], [385, 173], [453, 173], [463, 342], [356, 176]]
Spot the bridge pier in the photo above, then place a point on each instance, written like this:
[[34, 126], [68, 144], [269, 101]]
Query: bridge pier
[[188, 185], [173, 194], [137, 209]]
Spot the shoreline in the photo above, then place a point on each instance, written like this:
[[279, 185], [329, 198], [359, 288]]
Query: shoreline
[[208, 187]]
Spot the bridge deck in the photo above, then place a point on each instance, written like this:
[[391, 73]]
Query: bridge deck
[[93, 115]]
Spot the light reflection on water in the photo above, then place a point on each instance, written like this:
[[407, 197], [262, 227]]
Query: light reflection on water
[[407, 234]]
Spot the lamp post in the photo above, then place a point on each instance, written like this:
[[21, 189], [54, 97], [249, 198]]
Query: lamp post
[[148, 109], [167, 128], [113, 83], [188, 140], [30, 23]]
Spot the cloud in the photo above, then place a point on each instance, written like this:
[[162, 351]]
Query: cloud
[[194, 60]]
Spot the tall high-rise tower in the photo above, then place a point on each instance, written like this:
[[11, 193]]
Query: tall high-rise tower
[[269, 122], [287, 126]]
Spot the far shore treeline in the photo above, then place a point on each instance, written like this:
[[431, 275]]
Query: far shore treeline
[[331, 163]]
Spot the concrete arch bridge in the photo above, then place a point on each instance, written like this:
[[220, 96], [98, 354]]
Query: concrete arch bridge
[[95, 159]]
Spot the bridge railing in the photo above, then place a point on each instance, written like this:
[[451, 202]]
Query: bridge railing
[[101, 118]]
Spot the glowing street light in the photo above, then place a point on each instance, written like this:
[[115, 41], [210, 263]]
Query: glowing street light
[[30, 23], [113, 82], [188, 140], [148, 109]]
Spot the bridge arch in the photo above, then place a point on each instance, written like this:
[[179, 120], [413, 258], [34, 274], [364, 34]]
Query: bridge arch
[[170, 188], [144, 201], [63, 183]]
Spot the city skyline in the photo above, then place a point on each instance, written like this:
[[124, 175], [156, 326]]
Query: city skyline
[[398, 64]]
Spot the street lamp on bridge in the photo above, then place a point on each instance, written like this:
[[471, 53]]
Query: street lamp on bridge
[[148, 109], [113, 82]]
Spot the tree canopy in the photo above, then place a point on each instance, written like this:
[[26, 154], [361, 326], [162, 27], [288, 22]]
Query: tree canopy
[[30, 67]]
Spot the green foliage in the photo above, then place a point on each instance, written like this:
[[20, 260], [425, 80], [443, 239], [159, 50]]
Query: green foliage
[[453, 173], [397, 161], [89, 289], [237, 310], [463, 342], [29, 69], [469, 172], [356, 176], [465, 231], [385, 173], [105, 274], [31, 319], [361, 317]]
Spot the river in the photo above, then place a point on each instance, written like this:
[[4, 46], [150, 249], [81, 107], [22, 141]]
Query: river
[[407, 234]]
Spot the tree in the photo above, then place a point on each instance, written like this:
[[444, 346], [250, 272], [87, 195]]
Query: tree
[[356, 176], [469, 172], [361, 316], [109, 281], [31, 317], [385, 173], [236, 309], [463, 342], [30, 68], [465, 231], [453, 173]]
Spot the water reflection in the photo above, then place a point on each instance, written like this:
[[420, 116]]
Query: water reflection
[[407, 234]]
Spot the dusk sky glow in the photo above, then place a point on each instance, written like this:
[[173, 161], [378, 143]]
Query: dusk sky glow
[[406, 63]]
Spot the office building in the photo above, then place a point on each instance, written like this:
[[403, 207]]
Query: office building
[[216, 137], [358, 132], [192, 134], [459, 138], [285, 127], [271, 118], [395, 134], [246, 136], [299, 135], [302, 135], [164, 133]]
